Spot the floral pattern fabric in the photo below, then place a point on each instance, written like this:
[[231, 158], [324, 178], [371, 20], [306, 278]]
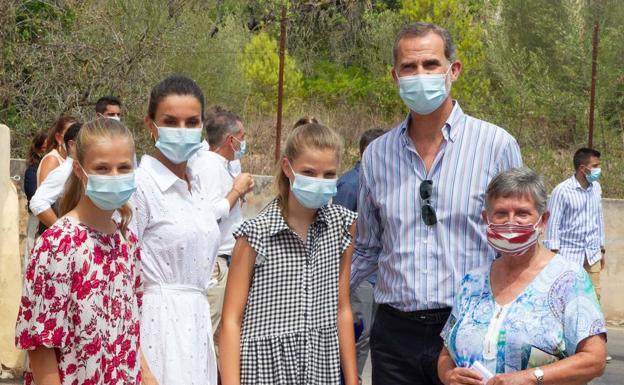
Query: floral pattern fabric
[[81, 297], [545, 323]]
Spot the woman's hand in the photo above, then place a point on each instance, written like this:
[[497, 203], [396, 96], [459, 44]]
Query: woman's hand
[[524, 377], [463, 376]]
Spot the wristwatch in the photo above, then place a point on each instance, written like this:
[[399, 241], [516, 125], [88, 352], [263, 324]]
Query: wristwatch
[[539, 375]]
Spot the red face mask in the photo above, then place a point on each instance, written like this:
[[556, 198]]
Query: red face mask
[[512, 239]]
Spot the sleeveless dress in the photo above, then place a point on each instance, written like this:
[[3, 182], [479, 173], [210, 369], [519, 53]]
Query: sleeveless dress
[[53, 153], [289, 332]]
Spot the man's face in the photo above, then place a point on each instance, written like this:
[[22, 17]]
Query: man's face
[[423, 55], [112, 111], [594, 162]]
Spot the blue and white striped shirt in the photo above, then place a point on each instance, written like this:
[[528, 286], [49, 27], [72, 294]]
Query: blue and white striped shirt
[[576, 224], [420, 266]]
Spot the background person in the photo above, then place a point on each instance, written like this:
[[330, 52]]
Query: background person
[[79, 313], [226, 136], [576, 226], [108, 107], [35, 153], [421, 195], [286, 315], [531, 317], [44, 203], [55, 152], [362, 299]]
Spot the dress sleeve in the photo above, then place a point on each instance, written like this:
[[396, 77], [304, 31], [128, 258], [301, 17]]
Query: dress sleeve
[[582, 316], [140, 213], [348, 218], [250, 231], [44, 318]]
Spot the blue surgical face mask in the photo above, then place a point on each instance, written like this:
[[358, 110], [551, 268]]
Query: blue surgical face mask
[[423, 94], [110, 192], [178, 144], [238, 154], [311, 192], [593, 175]]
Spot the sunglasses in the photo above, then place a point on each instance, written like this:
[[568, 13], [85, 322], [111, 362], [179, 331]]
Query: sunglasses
[[427, 211]]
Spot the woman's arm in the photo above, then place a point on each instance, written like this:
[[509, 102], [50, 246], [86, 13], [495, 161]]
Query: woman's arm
[[239, 279], [346, 337], [47, 165], [451, 375], [586, 364], [44, 366]]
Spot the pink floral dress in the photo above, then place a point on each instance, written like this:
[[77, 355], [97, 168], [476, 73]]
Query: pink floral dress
[[82, 296]]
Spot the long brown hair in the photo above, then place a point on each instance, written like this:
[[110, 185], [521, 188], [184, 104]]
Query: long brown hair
[[90, 133], [36, 148], [58, 128], [310, 136]]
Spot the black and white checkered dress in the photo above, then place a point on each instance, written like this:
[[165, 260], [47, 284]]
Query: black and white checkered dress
[[289, 333]]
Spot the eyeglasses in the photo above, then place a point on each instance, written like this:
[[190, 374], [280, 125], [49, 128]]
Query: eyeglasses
[[427, 211]]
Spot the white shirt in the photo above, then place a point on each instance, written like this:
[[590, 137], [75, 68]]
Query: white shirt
[[52, 187], [216, 175]]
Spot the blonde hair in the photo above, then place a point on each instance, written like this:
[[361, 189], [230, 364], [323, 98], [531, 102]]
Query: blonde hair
[[90, 133], [309, 136]]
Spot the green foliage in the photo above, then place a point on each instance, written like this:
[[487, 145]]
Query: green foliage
[[463, 20], [335, 86], [260, 66]]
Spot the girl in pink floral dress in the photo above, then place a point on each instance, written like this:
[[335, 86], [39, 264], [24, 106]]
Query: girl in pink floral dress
[[79, 313]]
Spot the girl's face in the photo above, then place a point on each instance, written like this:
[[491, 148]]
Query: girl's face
[[179, 111], [109, 156], [314, 163]]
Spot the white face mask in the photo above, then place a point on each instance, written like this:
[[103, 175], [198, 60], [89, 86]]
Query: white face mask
[[117, 118]]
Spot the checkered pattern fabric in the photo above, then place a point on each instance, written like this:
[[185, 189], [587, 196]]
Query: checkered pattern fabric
[[289, 333]]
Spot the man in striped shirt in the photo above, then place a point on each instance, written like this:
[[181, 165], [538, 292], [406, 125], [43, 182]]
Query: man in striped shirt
[[576, 226], [422, 189]]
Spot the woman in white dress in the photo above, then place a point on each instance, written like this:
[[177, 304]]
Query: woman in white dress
[[179, 238]]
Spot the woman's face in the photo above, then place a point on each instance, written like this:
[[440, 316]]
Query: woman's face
[[514, 209], [110, 156], [178, 111], [59, 135], [314, 163]]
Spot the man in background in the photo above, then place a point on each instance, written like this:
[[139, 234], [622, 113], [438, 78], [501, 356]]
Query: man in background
[[362, 299], [108, 107]]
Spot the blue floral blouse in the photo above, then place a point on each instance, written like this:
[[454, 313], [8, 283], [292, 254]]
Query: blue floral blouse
[[544, 324]]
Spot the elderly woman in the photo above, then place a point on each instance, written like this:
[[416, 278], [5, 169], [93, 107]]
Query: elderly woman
[[531, 317]]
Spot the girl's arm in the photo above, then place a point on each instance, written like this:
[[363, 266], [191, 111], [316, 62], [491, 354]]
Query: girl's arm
[[346, 335], [239, 279], [46, 167], [44, 366]]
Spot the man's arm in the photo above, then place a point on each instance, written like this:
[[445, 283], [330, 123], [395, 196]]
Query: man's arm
[[510, 157], [368, 241], [556, 207]]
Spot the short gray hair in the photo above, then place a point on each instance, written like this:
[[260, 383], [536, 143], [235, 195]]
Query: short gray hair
[[515, 183], [420, 29], [221, 124]]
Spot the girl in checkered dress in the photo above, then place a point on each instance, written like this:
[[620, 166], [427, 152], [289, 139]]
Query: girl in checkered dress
[[286, 315]]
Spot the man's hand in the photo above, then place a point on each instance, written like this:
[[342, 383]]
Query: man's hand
[[243, 184]]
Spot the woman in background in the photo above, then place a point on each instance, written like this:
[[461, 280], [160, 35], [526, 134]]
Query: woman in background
[[55, 149], [35, 153]]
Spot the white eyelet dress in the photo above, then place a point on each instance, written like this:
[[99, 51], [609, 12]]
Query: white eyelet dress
[[179, 238], [289, 332]]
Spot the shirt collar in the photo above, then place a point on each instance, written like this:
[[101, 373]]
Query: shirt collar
[[204, 145], [451, 127], [163, 177], [577, 184], [277, 223]]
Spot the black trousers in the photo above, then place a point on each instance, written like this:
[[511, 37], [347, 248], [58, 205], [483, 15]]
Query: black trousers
[[405, 350]]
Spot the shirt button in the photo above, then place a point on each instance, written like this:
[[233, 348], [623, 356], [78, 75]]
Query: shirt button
[[425, 241]]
